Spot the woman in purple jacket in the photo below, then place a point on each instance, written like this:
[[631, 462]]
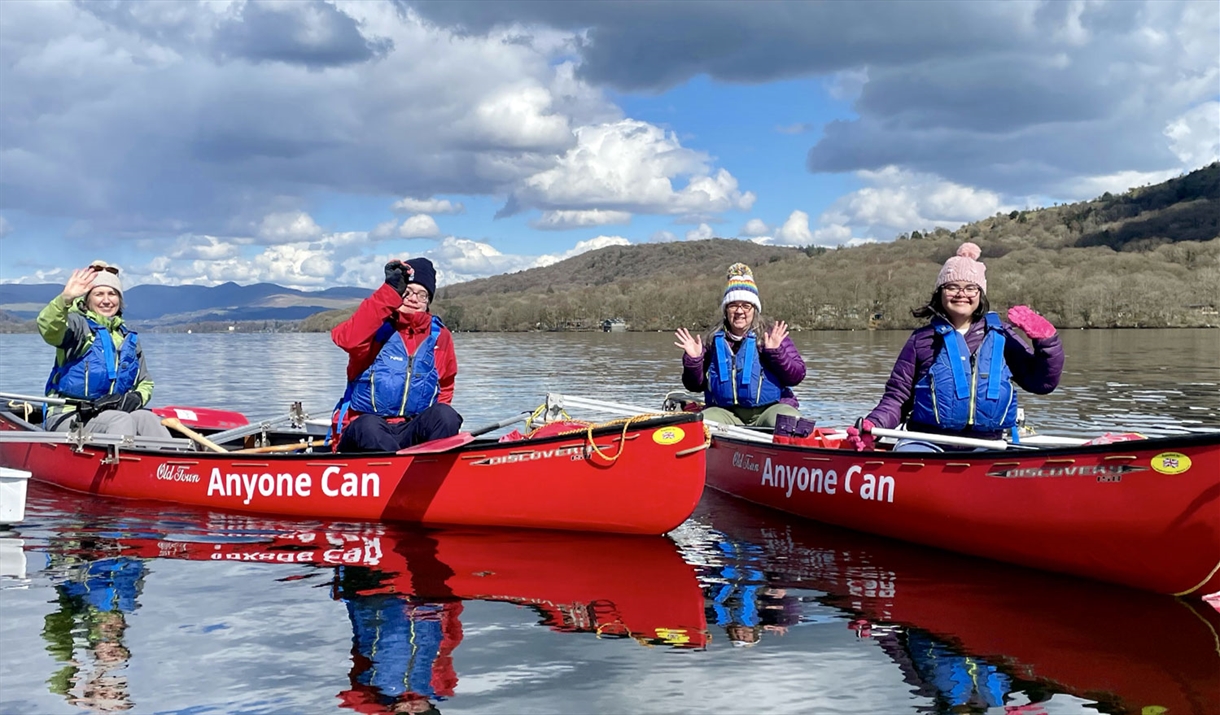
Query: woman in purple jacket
[[955, 375], [747, 366]]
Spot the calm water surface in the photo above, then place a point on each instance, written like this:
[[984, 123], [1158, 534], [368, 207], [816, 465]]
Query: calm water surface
[[116, 606]]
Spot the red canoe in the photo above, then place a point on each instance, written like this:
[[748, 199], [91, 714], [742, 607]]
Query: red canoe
[[644, 476], [1142, 513], [1131, 651]]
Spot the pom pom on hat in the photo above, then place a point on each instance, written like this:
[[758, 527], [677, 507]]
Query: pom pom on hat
[[741, 287], [964, 267]]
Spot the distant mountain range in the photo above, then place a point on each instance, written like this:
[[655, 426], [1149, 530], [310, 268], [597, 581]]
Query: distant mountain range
[[174, 307]]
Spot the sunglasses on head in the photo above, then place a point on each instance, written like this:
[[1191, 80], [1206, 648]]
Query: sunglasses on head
[[108, 269]]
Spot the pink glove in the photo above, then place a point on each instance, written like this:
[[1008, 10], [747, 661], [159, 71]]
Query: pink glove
[[860, 437], [1034, 325]]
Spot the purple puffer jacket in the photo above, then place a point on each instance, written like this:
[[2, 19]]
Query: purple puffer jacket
[[1035, 370], [784, 362]]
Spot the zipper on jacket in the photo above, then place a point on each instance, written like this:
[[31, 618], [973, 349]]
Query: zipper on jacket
[[373, 388], [932, 390], [733, 375], [406, 389], [974, 381]]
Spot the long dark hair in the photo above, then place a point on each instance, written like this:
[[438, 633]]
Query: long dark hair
[[935, 306]]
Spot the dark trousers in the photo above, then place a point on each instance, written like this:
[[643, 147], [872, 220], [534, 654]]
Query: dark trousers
[[373, 433]]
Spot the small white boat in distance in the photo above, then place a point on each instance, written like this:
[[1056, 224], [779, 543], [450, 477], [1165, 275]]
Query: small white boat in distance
[[12, 494]]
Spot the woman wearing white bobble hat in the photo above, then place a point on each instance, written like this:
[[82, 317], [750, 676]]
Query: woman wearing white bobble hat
[[747, 366], [955, 375], [97, 358]]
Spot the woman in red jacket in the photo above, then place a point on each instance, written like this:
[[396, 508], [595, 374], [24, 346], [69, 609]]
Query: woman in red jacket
[[401, 366]]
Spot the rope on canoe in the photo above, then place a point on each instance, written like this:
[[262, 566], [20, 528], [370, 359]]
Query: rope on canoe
[[588, 427], [22, 405]]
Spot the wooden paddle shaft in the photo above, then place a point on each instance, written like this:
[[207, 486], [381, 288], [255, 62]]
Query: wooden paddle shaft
[[174, 424]]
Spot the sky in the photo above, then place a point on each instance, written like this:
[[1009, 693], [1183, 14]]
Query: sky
[[305, 143]]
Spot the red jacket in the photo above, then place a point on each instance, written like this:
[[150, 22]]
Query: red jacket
[[355, 335]]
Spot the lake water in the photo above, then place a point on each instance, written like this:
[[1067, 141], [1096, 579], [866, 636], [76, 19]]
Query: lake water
[[148, 608]]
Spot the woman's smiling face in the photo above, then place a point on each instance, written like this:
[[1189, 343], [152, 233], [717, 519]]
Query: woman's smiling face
[[104, 300]]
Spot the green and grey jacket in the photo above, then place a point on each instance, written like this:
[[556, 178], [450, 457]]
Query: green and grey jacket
[[70, 327]]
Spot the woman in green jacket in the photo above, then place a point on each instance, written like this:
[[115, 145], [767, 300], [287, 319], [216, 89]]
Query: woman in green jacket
[[97, 359]]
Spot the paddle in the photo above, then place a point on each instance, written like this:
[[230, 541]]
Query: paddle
[[199, 417], [944, 439], [445, 444], [174, 424]]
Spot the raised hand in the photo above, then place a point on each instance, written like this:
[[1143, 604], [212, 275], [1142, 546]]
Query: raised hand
[[692, 344], [396, 276], [78, 284], [776, 335], [1034, 325]]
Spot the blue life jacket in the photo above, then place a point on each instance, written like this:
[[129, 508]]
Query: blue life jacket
[[100, 370], [109, 584], [398, 384], [963, 392], [961, 680], [400, 641], [740, 379]]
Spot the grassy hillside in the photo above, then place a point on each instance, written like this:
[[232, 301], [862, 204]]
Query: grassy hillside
[[1147, 258]]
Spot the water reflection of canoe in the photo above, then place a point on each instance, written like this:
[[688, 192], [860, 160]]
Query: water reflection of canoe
[[601, 583], [639, 477], [1143, 513], [1131, 650]]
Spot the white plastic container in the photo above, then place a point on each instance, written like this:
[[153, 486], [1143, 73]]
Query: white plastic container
[[12, 494]]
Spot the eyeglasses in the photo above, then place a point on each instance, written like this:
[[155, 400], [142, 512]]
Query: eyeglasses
[[420, 295], [740, 307], [108, 269], [955, 289]]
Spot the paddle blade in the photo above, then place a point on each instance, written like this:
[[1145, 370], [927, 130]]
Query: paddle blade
[[203, 417], [443, 444]]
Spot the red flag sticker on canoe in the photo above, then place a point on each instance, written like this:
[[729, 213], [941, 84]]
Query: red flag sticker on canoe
[[668, 435]]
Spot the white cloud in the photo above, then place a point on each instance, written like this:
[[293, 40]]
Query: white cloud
[[662, 237], [754, 227], [288, 228], [428, 206], [419, 226], [901, 200], [383, 230], [592, 244], [701, 232], [1195, 135], [5, 227], [795, 231], [631, 166], [208, 248], [559, 220]]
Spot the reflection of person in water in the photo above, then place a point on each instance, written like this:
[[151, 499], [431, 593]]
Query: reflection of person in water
[[402, 646], [958, 682], [95, 601], [742, 603]]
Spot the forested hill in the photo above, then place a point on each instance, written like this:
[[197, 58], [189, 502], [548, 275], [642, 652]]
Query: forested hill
[[1147, 258]]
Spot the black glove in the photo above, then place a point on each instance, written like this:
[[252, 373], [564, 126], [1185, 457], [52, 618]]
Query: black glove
[[86, 411], [396, 276], [124, 402]]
